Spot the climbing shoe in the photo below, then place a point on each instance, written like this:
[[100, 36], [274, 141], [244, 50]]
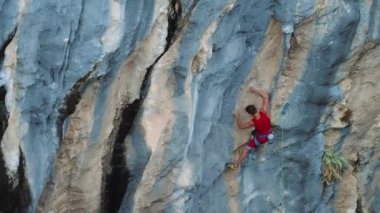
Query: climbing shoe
[[232, 166]]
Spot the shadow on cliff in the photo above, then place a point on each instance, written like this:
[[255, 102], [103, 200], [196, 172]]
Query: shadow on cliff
[[14, 193]]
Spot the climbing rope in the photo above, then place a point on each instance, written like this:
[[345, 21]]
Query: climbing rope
[[282, 166], [279, 208]]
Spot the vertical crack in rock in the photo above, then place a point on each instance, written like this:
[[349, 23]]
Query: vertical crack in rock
[[182, 19], [356, 169], [14, 193], [116, 182], [5, 45], [73, 35], [74, 96], [372, 20], [287, 36], [3, 112], [174, 15], [60, 74]]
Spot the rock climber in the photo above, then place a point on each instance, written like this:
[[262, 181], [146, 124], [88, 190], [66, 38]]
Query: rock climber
[[260, 120]]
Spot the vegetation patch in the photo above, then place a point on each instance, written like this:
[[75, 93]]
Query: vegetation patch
[[333, 165]]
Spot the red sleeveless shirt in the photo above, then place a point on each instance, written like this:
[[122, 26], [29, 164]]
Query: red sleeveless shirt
[[262, 126]]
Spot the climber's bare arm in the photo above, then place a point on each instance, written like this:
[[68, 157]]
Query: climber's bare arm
[[265, 96], [242, 125]]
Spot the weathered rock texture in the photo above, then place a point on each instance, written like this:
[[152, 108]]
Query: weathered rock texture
[[126, 105]]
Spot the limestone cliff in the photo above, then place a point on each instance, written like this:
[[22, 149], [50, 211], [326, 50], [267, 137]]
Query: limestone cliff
[[126, 105]]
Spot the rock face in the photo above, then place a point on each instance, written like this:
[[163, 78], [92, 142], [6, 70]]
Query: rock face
[[126, 105]]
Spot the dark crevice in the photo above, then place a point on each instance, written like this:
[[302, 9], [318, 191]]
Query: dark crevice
[[359, 208], [116, 181], [182, 20], [5, 189], [5, 45], [14, 195], [3, 112], [70, 102], [174, 15]]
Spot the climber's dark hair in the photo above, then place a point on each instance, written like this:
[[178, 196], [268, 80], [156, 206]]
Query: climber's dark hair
[[251, 109]]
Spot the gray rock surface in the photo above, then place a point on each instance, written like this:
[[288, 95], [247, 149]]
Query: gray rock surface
[[124, 105]]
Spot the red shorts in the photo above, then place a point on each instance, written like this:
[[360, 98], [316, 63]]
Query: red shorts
[[252, 145]]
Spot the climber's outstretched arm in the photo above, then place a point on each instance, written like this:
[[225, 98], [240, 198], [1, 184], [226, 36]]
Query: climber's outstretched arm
[[265, 96], [242, 125]]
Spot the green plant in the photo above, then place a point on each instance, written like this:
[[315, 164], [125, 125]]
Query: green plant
[[333, 164]]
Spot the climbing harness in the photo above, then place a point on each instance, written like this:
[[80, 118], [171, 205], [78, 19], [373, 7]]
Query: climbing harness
[[270, 137], [255, 140]]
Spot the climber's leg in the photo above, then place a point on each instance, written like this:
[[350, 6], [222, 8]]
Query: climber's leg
[[243, 155]]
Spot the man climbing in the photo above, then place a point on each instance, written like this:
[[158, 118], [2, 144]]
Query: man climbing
[[260, 120]]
